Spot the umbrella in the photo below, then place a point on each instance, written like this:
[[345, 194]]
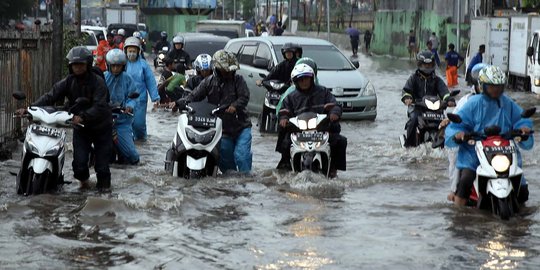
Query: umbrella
[[352, 31]]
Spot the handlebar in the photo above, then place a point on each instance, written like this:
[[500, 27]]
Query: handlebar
[[515, 134]]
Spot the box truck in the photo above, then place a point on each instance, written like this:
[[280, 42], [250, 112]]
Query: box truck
[[121, 15], [521, 67], [494, 33]]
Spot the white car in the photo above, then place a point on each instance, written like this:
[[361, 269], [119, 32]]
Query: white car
[[96, 29]]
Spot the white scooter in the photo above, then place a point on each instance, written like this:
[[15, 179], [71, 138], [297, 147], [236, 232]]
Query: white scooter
[[498, 177], [310, 149], [195, 148], [44, 149]]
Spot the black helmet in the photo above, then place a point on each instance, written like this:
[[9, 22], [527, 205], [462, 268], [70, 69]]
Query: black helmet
[[79, 54], [299, 50], [288, 47], [425, 57]]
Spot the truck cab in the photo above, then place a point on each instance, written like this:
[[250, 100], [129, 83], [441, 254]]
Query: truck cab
[[533, 62]]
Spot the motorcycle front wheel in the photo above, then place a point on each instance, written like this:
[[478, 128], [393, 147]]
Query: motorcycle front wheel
[[505, 208], [39, 183]]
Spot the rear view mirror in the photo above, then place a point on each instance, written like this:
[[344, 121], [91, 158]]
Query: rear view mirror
[[260, 63], [18, 95], [530, 51], [133, 95], [356, 63], [528, 112], [454, 118]]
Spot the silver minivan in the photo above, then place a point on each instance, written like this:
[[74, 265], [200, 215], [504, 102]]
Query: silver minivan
[[257, 55]]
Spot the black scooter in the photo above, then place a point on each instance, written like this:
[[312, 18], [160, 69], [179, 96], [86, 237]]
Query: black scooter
[[268, 120]]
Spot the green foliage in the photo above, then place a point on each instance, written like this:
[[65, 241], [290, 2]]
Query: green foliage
[[531, 3], [11, 9], [70, 40], [248, 6]]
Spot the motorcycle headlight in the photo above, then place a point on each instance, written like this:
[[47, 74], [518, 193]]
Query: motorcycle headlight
[[312, 123], [31, 147], [161, 56], [434, 106], [53, 151], [369, 90], [302, 124], [205, 138], [276, 85], [500, 163]]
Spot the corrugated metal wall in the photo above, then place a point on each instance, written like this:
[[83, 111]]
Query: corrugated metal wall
[[25, 65]]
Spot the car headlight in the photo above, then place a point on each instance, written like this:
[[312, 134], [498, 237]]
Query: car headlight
[[276, 85], [205, 138], [434, 106], [53, 151], [302, 124], [369, 90], [500, 163]]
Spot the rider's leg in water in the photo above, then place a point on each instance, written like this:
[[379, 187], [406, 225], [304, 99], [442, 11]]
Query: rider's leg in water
[[103, 147], [284, 162], [82, 146], [464, 186], [226, 154], [412, 124], [126, 146], [338, 152], [453, 173], [523, 194], [139, 120], [242, 151]]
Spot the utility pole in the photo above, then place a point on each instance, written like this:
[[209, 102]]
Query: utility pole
[[328, 19], [78, 16], [234, 9], [58, 39], [458, 25]]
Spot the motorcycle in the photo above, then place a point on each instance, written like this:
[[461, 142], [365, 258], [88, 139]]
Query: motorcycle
[[498, 177], [431, 114], [195, 148], [159, 60], [43, 152], [268, 120], [310, 149]]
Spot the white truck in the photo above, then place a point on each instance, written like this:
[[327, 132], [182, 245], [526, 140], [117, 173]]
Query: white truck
[[524, 69], [230, 29], [494, 33], [121, 15]]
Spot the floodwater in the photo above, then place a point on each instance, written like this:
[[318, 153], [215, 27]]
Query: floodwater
[[387, 211]]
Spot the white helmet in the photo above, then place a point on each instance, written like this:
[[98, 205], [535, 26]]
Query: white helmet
[[178, 39], [137, 34], [132, 42], [122, 32], [203, 62], [302, 70]]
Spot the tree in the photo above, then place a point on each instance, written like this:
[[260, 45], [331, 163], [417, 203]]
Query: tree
[[247, 8], [11, 9]]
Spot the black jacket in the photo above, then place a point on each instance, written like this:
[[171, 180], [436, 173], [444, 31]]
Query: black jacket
[[226, 92], [180, 57], [160, 44], [419, 85], [298, 102], [93, 87], [282, 72], [194, 81]]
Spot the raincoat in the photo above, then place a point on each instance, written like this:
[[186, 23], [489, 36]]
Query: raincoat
[[479, 112], [120, 86], [145, 82]]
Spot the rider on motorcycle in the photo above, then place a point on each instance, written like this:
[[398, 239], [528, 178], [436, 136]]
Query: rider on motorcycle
[[97, 119], [423, 82], [203, 67], [120, 85], [310, 97], [181, 58], [481, 111], [223, 87], [282, 72], [161, 43]]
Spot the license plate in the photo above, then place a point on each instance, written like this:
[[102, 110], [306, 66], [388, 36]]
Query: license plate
[[274, 96], [345, 105], [201, 121], [310, 136], [46, 131], [433, 116], [500, 149]]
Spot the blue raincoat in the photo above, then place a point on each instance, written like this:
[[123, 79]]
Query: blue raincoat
[[146, 83], [120, 86], [479, 112]]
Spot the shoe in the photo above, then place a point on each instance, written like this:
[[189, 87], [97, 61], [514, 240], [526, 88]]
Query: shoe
[[332, 173], [84, 185]]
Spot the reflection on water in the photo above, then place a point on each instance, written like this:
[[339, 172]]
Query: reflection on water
[[501, 256]]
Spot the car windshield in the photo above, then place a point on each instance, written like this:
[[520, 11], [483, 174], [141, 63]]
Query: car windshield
[[327, 57], [194, 48], [89, 39]]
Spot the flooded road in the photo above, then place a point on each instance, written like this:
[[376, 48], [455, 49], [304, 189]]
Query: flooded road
[[388, 211]]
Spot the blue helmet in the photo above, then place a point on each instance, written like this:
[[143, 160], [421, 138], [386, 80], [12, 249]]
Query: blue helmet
[[116, 57], [203, 62]]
